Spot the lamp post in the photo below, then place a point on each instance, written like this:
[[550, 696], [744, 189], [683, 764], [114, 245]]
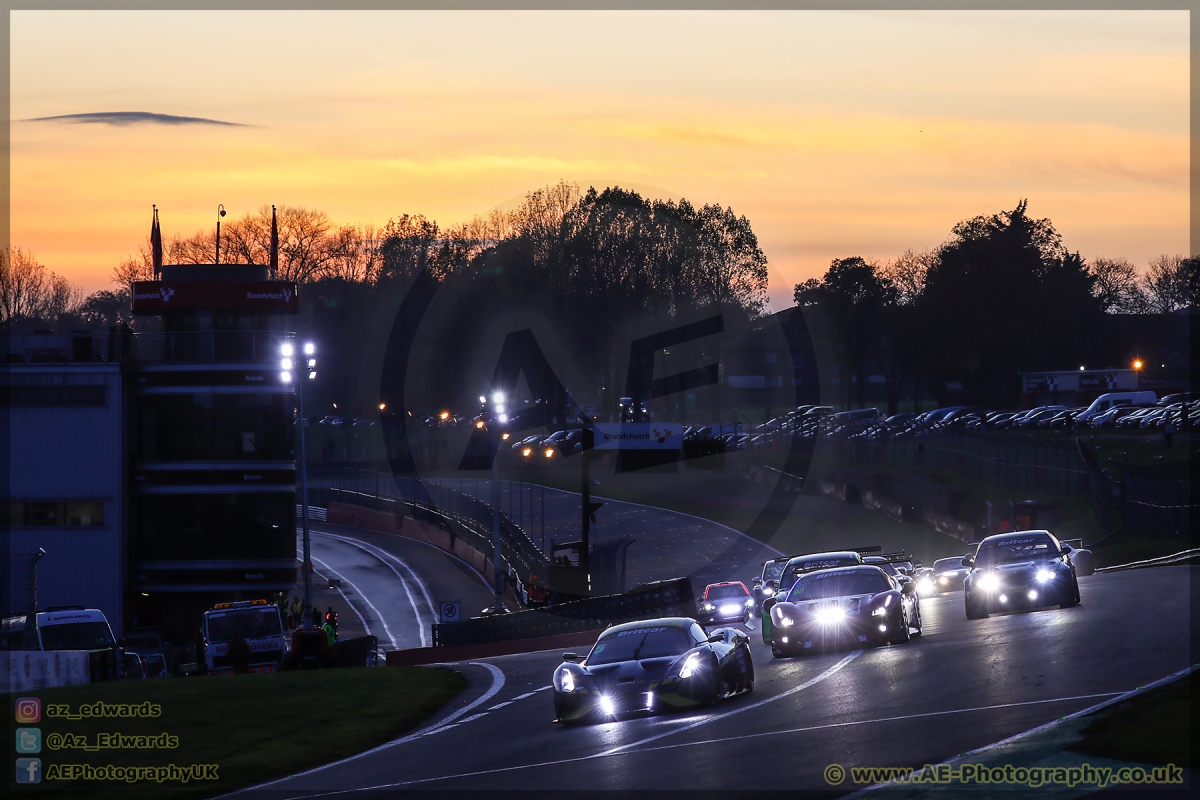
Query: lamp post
[[220, 213], [492, 417], [311, 369]]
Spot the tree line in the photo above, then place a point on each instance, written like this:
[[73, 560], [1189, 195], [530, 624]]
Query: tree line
[[1002, 294]]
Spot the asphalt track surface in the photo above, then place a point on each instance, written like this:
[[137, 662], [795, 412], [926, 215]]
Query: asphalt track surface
[[962, 685]]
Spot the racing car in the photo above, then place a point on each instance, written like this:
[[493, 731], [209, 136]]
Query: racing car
[[797, 566], [766, 584], [948, 573], [652, 666], [1019, 571], [926, 581], [725, 602], [845, 605]]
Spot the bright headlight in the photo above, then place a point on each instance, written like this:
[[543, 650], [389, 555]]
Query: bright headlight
[[1044, 575], [566, 680], [749, 602], [768, 591], [709, 606], [944, 581], [691, 665], [989, 582], [925, 585], [830, 615]]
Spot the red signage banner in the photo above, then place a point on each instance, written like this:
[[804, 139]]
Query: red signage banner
[[159, 297]]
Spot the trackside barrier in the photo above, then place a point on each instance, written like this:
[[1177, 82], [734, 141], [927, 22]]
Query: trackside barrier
[[29, 670], [358, 652], [662, 598], [1163, 561]]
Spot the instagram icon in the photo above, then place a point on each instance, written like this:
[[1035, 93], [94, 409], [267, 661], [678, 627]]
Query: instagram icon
[[29, 710]]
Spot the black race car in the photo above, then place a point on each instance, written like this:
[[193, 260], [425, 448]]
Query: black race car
[[1019, 571], [652, 666], [948, 574], [845, 605], [799, 565]]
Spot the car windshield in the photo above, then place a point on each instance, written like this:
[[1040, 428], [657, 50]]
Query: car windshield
[[77, 636], [820, 585], [637, 643], [1007, 551], [773, 570], [811, 564], [721, 592], [249, 623], [947, 564]]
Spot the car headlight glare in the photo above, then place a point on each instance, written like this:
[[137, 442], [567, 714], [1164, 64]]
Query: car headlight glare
[[768, 591], [786, 622], [925, 585], [709, 606], [607, 705], [749, 602], [944, 581], [879, 612], [989, 582], [1044, 575], [830, 615], [691, 665], [566, 680]]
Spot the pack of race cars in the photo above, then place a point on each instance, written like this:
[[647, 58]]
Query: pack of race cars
[[856, 597]]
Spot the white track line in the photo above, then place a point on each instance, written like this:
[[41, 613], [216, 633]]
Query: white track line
[[620, 750], [408, 592], [379, 552], [875, 721], [366, 628], [1083, 713], [366, 600], [448, 722]]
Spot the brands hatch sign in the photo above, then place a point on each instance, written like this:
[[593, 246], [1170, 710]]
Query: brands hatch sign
[[638, 436], [157, 297]]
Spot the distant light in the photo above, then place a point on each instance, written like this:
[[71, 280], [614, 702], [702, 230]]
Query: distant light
[[1081, 369], [286, 377], [444, 415], [312, 362], [382, 406], [504, 436], [504, 417], [498, 397], [527, 452], [1137, 364], [479, 423], [549, 452], [499, 407], [286, 349], [285, 363], [309, 348], [312, 375], [335, 405], [482, 399]]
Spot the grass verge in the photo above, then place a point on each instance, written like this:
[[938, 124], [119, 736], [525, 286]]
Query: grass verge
[[1151, 728], [253, 727]]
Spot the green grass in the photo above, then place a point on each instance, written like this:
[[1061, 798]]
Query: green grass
[[1151, 728], [253, 727]]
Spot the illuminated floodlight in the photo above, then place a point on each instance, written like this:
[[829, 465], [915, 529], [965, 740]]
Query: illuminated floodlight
[[286, 377], [479, 424], [504, 417], [286, 349], [1137, 364], [312, 374], [309, 348], [498, 397], [285, 363], [482, 399]]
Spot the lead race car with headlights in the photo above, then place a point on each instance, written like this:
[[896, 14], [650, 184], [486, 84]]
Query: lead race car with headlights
[[845, 605], [652, 666], [799, 565], [1019, 571]]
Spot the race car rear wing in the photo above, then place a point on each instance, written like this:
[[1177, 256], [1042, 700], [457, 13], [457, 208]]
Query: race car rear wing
[[863, 551]]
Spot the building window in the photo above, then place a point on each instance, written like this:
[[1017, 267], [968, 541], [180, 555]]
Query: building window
[[215, 427], [222, 525], [53, 513], [53, 396]]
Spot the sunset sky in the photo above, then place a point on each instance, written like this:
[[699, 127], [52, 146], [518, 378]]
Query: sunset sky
[[836, 133]]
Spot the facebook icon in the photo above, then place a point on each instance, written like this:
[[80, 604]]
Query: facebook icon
[[29, 770]]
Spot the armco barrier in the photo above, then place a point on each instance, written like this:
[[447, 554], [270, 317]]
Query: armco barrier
[[660, 599]]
